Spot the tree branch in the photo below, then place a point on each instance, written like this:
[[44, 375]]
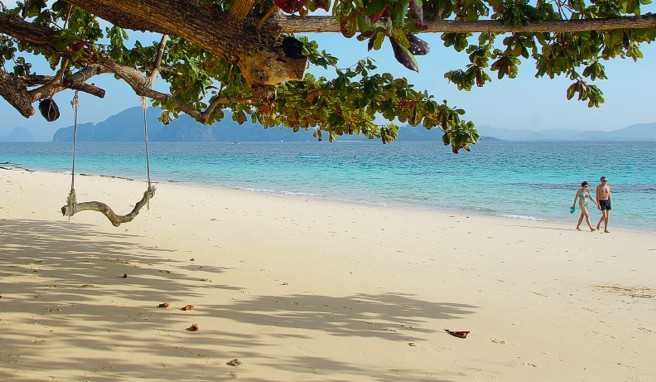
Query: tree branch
[[49, 89], [139, 83], [259, 54], [14, 90], [76, 81], [24, 31], [239, 9], [215, 102], [295, 24]]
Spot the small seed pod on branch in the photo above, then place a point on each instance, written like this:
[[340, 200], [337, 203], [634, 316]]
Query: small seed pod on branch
[[292, 47], [49, 109]]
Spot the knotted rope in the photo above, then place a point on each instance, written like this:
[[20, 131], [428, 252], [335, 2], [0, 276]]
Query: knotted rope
[[144, 106], [71, 200]]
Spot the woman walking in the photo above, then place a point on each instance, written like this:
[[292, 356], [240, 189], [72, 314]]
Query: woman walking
[[582, 196]]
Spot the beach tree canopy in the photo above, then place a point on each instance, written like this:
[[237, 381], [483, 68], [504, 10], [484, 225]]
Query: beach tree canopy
[[244, 55]]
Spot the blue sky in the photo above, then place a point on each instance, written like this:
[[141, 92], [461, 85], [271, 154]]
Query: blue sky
[[523, 103]]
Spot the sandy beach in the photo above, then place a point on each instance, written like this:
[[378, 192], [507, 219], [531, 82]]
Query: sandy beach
[[308, 290]]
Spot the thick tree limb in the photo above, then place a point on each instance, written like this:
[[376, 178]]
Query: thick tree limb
[[76, 81], [104, 209], [14, 90], [259, 54], [48, 89], [295, 24], [239, 9], [26, 32]]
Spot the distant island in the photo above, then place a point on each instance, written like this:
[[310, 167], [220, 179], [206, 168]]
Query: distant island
[[127, 126]]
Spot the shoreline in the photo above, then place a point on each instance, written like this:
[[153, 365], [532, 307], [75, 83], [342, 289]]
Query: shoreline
[[307, 290], [461, 212]]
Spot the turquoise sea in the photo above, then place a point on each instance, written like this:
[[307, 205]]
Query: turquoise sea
[[520, 180]]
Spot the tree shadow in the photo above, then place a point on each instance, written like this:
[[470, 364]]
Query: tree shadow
[[327, 368], [52, 278], [62, 289], [390, 316]]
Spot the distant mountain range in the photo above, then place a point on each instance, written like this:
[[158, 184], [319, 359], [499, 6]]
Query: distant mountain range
[[638, 132], [127, 126]]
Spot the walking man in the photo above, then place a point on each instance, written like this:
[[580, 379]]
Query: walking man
[[603, 196]]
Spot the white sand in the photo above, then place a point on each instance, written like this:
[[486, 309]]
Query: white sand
[[307, 290]]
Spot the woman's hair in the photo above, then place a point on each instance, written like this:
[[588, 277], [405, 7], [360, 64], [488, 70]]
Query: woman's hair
[[584, 183]]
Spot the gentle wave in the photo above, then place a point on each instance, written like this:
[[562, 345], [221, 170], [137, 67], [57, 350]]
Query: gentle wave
[[521, 217], [277, 192], [619, 188]]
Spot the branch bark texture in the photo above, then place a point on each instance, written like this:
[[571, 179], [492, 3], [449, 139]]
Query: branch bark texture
[[295, 24]]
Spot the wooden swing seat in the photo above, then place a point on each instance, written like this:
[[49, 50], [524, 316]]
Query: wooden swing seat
[[73, 208]]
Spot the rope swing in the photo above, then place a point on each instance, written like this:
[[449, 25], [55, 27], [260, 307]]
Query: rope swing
[[72, 207]]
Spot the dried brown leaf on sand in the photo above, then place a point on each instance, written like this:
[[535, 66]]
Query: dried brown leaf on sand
[[193, 328], [458, 333]]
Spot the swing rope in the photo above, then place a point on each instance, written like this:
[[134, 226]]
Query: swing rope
[[144, 106], [71, 201], [72, 206]]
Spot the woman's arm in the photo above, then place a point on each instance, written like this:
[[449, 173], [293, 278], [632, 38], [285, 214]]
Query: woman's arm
[[596, 200], [575, 197]]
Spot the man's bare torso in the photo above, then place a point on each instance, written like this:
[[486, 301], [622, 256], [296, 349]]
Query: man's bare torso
[[603, 192]]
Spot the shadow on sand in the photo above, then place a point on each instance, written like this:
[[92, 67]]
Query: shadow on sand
[[53, 275]]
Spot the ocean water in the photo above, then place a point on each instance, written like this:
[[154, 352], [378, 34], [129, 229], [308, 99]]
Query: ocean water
[[520, 180]]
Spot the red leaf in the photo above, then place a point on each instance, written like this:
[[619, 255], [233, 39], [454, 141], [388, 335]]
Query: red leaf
[[289, 6]]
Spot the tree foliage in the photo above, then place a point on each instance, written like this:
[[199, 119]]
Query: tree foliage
[[351, 101]]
